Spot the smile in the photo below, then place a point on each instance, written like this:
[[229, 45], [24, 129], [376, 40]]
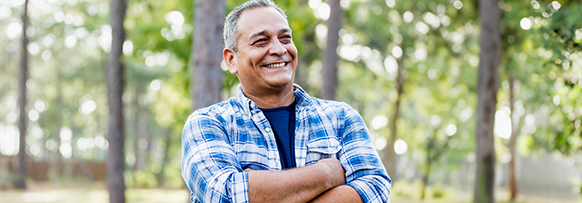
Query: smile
[[276, 65]]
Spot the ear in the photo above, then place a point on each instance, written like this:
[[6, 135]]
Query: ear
[[230, 56]]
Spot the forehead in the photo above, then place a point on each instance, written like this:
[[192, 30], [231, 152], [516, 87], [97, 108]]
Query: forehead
[[261, 19]]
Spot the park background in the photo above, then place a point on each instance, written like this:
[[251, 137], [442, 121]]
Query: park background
[[410, 68]]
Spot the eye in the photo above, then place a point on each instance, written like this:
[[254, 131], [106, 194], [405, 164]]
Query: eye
[[285, 38], [260, 41]]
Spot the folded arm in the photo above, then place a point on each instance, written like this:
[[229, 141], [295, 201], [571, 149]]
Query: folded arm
[[295, 185], [213, 173], [339, 194]]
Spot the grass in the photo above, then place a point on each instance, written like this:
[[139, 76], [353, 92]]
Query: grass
[[97, 193], [90, 194], [409, 192], [501, 195]]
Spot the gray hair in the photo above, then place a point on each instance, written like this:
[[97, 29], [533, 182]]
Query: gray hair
[[231, 33]]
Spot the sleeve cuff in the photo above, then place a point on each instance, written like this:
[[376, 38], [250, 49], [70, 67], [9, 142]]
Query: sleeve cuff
[[372, 192], [240, 187]]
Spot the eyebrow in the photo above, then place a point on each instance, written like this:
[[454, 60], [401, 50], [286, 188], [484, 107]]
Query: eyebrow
[[264, 32]]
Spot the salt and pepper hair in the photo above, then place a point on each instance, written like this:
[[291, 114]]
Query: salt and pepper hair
[[231, 33]]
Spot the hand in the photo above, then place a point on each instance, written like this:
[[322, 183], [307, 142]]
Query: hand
[[333, 168]]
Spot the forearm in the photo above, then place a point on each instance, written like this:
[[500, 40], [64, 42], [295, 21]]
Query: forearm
[[342, 193], [295, 185]]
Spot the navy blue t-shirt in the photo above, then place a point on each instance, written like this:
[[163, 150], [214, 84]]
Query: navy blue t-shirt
[[282, 120]]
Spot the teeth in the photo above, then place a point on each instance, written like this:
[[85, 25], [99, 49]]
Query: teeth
[[275, 65]]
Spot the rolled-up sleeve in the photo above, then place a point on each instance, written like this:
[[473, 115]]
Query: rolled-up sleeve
[[210, 167], [364, 169]]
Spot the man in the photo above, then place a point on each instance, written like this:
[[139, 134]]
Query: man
[[273, 142]]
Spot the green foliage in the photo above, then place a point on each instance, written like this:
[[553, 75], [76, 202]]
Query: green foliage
[[145, 179], [437, 192]]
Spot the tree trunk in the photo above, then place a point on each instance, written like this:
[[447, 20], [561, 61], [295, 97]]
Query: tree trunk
[[20, 182], [391, 155], [115, 85], [136, 133], [513, 189], [488, 82], [148, 136], [56, 156], [161, 176], [206, 75], [329, 72], [426, 166], [433, 153]]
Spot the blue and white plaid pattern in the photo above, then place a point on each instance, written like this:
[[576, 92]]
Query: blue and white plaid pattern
[[220, 141]]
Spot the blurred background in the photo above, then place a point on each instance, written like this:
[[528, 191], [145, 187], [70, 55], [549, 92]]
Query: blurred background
[[409, 67]]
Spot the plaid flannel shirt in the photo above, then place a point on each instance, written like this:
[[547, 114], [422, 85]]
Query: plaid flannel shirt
[[220, 141]]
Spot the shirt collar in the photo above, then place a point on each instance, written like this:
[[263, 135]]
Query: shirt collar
[[303, 99], [249, 106]]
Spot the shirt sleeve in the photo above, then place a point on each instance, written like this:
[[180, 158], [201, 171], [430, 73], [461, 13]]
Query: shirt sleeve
[[210, 167], [364, 169]]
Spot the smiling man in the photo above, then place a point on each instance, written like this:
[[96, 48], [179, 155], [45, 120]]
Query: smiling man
[[273, 142]]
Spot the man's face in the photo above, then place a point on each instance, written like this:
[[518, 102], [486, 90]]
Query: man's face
[[267, 57]]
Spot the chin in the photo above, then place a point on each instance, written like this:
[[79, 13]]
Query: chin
[[280, 83]]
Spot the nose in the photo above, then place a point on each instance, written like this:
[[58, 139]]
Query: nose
[[277, 48]]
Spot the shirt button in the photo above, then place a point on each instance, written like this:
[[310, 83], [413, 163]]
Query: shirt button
[[268, 129]]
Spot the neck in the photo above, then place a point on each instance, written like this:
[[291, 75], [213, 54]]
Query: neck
[[267, 99]]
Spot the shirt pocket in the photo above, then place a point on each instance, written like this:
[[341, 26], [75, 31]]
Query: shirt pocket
[[322, 148]]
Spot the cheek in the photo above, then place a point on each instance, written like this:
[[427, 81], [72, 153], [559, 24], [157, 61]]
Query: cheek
[[255, 56], [245, 60], [292, 50]]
